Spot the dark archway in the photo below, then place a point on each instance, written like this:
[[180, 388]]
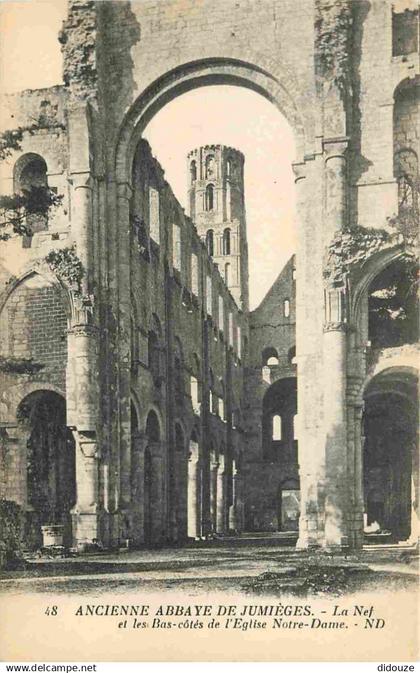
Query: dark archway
[[194, 488], [180, 486], [393, 306], [51, 465], [390, 457], [153, 486], [278, 416], [289, 506]]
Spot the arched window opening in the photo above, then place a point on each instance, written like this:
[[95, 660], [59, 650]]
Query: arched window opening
[[229, 168], [209, 295], [277, 429], [210, 166], [210, 197], [222, 408], [231, 329], [226, 241], [194, 274], [195, 397], [228, 201], [286, 308], [210, 242], [221, 314], [239, 341], [154, 214], [296, 427], [278, 410], [291, 356], [31, 180], [270, 357], [193, 170], [393, 306], [227, 273], [176, 236]]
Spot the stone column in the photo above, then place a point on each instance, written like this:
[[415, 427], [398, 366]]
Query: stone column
[[157, 494], [237, 507], [137, 486], [335, 421], [82, 224], [337, 489], [221, 508], [85, 514], [124, 193], [82, 417], [358, 519], [335, 218], [309, 449], [414, 521], [214, 466], [194, 497], [355, 461]]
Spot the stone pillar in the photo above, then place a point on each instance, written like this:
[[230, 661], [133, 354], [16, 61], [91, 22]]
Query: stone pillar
[[309, 448], [157, 495], [358, 519], [82, 417], [414, 520], [355, 461], [82, 224], [335, 357], [335, 420], [85, 514], [221, 496], [214, 466], [137, 486], [236, 510], [124, 193], [194, 488], [335, 218]]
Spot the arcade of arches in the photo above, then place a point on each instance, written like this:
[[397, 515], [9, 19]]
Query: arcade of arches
[[141, 401]]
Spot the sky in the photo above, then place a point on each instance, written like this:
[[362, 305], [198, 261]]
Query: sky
[[228, 115]]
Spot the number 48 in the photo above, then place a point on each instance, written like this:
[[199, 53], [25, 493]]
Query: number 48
[[51, 610]]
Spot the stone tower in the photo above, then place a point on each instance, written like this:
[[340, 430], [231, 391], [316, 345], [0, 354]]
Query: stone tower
[[217, 207]]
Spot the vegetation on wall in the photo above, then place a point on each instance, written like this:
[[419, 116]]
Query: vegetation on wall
[[11, 525], [351, 247], [393, 305], [333, 19], [65, 263], [354, 246], [17, 210]]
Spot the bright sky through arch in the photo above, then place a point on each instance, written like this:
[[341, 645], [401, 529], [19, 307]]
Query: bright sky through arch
[[217, 114]]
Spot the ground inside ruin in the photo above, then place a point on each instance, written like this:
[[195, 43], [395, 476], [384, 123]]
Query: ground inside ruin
[[265, 566]]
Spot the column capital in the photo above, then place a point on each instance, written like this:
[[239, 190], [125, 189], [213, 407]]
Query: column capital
[[81, 180], [299, 169], [335, 147], [335, 327], [83, 329]]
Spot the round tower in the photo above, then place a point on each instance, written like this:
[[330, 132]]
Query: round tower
[[217, 207]]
